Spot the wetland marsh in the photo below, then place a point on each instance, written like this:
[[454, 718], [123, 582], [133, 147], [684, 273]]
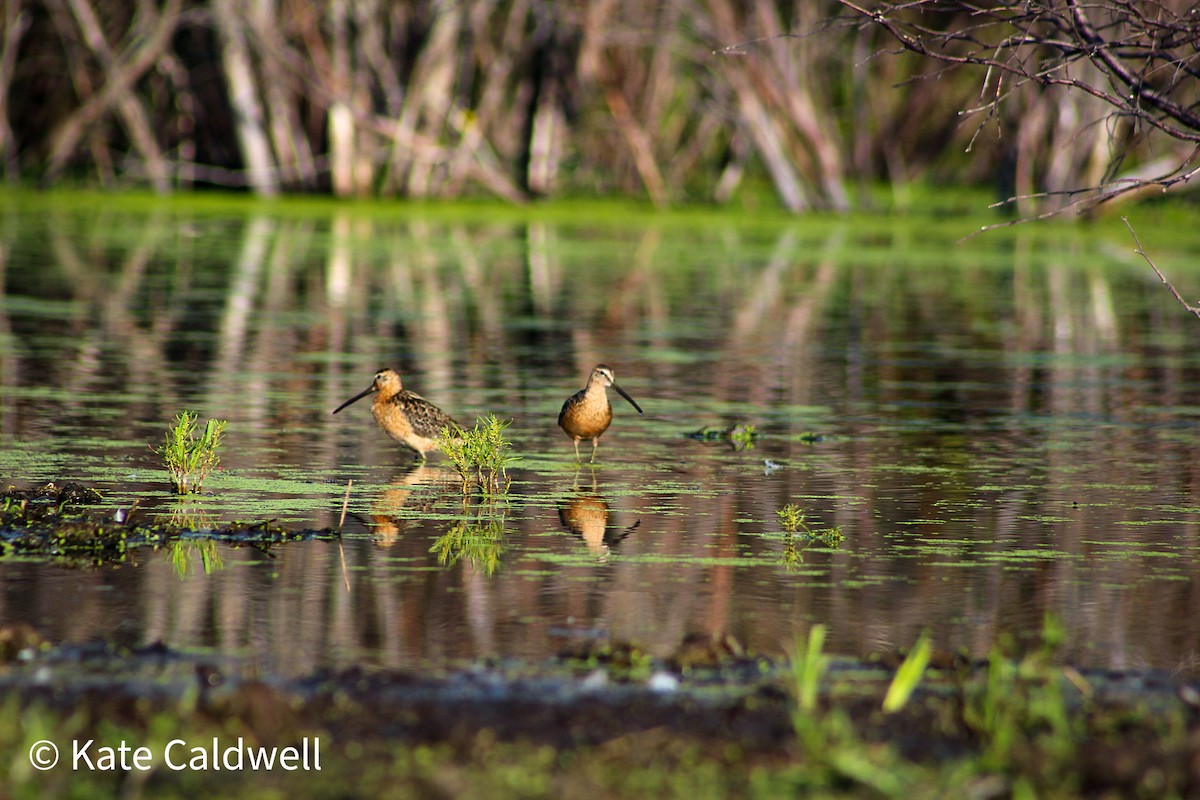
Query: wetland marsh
[[1000, 429]]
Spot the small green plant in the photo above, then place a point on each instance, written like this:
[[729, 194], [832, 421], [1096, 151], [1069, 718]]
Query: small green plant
[[481, 455], [742, 437], [833, 750], [794, 522], [909, 675], [1021, 706], [188, 459], [739, 435], [791, 517], [809, 664]]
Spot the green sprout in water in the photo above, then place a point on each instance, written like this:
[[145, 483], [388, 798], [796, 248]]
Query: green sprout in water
[[801, 534], [742, 437], [739, 435], [481, 455], [791, 517], [188, 459], [794, 522]]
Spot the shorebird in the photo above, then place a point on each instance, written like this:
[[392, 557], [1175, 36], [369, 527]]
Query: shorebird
[[405, 416], [587, 413]]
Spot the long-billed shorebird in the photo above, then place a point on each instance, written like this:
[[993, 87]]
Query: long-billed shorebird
[[405, 416], [587, 413]]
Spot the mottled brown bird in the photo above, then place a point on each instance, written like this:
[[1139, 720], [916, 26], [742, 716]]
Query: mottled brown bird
[[405, 416], [587, 413]]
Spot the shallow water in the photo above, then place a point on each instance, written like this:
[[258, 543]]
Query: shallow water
[[1000, 428]]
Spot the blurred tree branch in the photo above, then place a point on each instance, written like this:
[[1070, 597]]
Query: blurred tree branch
[[1142, 252], [1140, 61], [16, 22], [149, 40]]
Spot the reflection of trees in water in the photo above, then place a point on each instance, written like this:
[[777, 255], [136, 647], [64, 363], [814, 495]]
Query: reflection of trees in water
[[984, 400]]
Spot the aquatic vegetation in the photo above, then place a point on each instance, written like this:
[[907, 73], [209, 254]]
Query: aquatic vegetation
[[790, 516], [809, 665], [621, 661], [189, 517], [742, 437], [480, 541], [189, 460], [481, 455], [834, 752], [48, 519], [1026, 724], [909, 675], [56, 523], [795, 522], [185, 554], [792, 558], [1022, 707], [739, 435]]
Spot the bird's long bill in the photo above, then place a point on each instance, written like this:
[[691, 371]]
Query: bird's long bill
[[625, 394], [356, 398]]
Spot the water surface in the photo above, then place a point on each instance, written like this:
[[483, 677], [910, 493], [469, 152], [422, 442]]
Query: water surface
[[1000, 428]]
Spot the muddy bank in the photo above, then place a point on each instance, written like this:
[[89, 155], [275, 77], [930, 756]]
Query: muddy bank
[[612, 713]]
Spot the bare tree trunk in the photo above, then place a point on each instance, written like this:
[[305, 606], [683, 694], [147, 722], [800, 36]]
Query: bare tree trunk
[[15, 25], [369, 146], [545, 144], [78, 65], [242, 85], [474, 157], [121, 74], [635, 135], [802, 108], [762, 128], [595, 64], [183, 126], [293, 153], [341, 115], [501, 81], [429, 94]]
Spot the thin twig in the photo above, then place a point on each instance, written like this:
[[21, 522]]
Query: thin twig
[[1141, 252], [345, 504], [341, 522], [128, 518], [345, 570]]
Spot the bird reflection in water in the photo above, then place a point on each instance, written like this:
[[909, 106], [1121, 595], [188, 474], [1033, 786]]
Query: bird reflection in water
[[414, 492], [585, 513]]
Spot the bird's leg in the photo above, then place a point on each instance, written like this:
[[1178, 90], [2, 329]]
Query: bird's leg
[[577, 458], [595, 444]]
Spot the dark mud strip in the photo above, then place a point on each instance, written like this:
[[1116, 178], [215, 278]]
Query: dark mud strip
[[564, 703], [63, 524]]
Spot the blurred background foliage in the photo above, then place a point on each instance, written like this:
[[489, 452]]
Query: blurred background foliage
[[675, 101]]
